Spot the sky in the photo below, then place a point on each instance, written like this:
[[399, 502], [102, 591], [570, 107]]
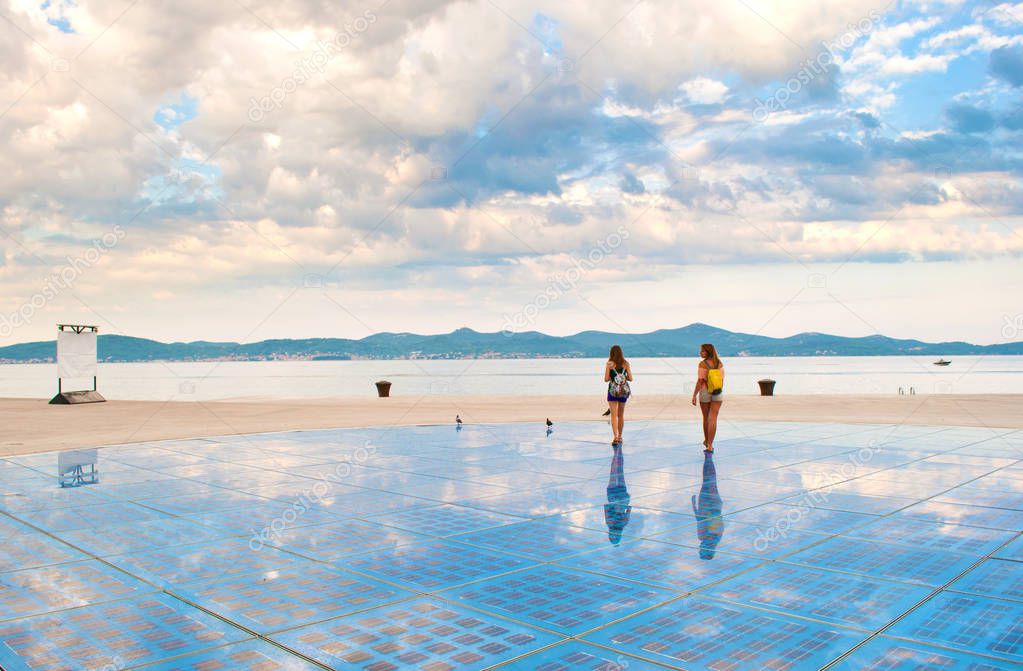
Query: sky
[[252, 169]]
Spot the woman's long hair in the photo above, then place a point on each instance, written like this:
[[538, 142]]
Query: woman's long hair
[[712, 355], [617, 357]]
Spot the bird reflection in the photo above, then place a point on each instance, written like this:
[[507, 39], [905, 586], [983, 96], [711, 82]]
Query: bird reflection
[[617, 508], [709, 524]]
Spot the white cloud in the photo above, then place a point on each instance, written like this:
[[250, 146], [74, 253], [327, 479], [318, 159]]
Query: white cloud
[[704, 91], [1006, 13], [346, 166], [959, 35], [901, 65]]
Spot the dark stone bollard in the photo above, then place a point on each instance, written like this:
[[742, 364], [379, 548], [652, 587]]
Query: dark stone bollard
[[766, 387], [383, 389]]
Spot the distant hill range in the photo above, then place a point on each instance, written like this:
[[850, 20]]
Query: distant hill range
[[468, 344]]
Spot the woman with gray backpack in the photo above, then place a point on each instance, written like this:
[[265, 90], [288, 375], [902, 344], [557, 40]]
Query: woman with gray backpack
[[618, 375]]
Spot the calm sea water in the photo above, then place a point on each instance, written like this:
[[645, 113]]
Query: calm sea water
[[310, 379]]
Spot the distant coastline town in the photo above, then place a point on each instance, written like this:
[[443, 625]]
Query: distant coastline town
[[466, 343]]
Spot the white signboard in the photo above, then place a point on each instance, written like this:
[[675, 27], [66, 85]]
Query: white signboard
[[69, 460], [77, 467], [76, 358]]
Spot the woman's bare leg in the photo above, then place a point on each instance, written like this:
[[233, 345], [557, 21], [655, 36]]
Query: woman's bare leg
[[614, 406], [712, 424], [705, 409], [621, 419]]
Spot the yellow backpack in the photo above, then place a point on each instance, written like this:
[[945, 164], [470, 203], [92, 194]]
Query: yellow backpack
[[715, 380]]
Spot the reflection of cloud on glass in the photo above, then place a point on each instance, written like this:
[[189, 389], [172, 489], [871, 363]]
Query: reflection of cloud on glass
[[617, 508], [709, 524]]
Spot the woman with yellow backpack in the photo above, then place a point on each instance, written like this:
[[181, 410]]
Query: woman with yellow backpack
[[710, 384]]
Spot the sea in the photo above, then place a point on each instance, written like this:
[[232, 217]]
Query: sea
[[251, 380]]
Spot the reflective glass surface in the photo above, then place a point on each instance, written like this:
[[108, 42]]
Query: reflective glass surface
[[794, 546]]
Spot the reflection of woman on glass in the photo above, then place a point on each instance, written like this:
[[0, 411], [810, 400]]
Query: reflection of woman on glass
[[709, 524], [617, 508]]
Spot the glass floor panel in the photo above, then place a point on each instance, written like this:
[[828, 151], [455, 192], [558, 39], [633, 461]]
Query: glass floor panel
[[1013, 550], [295, 595], [662, 564], [995, 577], [919, 566], [113, 635], [968, 623], [434, 565], [500, 547], [887, 654], [576, 656], [559, 599], [47, 589], [421, 634], [699, 635], [838, 598], [252, 655]]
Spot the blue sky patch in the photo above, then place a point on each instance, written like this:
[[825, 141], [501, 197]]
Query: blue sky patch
[[173, 115], [55, 14]]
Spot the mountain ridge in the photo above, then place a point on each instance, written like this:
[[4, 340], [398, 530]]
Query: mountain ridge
[[465, 343]]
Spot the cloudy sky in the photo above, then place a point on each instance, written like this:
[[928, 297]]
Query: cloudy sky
[[248, 169]]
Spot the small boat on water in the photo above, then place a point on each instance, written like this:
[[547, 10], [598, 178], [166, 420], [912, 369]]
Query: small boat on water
[[942, 362]]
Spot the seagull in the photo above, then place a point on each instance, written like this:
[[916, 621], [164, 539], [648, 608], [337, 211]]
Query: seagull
[[458, 422], [549, 422]]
